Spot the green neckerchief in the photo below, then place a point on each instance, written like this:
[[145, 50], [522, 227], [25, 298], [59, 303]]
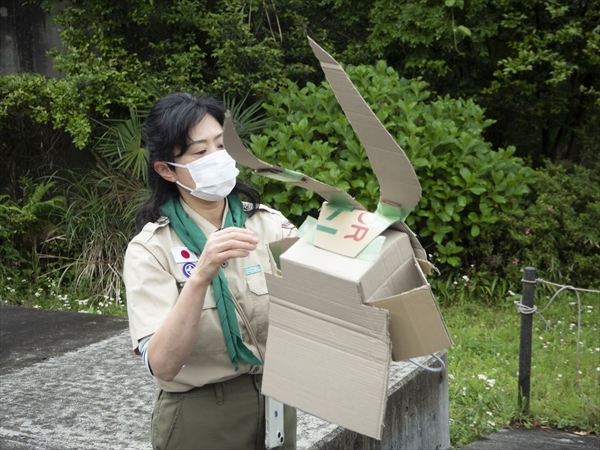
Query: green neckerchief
[[194, 239]]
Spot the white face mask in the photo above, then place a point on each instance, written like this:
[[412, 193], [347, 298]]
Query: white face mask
[[214, 175]]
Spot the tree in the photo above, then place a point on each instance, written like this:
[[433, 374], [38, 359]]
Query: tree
[[534, 64]]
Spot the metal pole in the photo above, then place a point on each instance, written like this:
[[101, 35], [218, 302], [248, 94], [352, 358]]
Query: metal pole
[[526, 332]]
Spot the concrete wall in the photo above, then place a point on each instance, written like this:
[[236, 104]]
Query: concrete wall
[[26, 34], [417, 415]]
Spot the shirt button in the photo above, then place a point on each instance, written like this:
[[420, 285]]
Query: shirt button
[[225, 264]]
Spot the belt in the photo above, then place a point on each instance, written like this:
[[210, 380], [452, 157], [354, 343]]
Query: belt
[[240, 383]]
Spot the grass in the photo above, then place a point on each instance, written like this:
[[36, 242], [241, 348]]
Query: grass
[[47, 293], [483, 363]]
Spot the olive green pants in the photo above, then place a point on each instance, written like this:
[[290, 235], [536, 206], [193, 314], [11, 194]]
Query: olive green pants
[[227, 416]]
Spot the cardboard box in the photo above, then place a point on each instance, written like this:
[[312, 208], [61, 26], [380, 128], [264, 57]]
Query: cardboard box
[[351, 295]]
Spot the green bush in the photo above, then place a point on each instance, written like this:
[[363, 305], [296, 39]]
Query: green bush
[[26, 226], [466, 184], [557, 231]]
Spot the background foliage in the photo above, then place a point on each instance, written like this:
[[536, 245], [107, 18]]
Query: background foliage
[[533, 65]]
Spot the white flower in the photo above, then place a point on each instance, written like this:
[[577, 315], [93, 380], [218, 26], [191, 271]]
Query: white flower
[[37, 294], [482, 377], [491, 382], [466, 278], [450, 376], [491, 423], [559, 375]]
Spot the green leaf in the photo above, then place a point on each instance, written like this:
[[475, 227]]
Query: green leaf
[[421, 162], [464, 30], [465, 173], [475, 230], [478, 190], [296, 209], [453, 261]]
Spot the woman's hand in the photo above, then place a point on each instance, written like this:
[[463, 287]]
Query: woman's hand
[[220, 246]]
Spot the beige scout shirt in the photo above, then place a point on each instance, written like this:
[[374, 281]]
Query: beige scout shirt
[[153, 279]]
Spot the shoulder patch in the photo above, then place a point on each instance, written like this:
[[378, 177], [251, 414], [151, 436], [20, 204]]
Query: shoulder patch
[[285, 223]]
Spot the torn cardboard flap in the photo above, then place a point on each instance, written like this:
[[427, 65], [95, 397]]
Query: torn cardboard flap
[[327, 370], [399, 185], [412, 315], [237, 150]]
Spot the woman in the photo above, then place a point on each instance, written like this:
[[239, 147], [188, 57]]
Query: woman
[[196, 292]]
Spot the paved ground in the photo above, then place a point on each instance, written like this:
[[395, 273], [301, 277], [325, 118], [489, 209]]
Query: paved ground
[[537, 439], [69, 381], [29, 336]]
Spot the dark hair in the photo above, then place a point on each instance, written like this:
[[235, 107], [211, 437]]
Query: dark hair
[[167, 129]]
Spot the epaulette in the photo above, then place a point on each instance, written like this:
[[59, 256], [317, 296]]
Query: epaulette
[[248, 207], [151, 227]]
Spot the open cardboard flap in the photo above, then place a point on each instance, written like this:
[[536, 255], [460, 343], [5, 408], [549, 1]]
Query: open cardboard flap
[[336, 320]]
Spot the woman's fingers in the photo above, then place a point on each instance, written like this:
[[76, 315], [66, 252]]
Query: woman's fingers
[[222, 245], [231, 239]]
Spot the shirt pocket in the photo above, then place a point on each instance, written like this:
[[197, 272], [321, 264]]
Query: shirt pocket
[[209, 339], [257, 284]]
